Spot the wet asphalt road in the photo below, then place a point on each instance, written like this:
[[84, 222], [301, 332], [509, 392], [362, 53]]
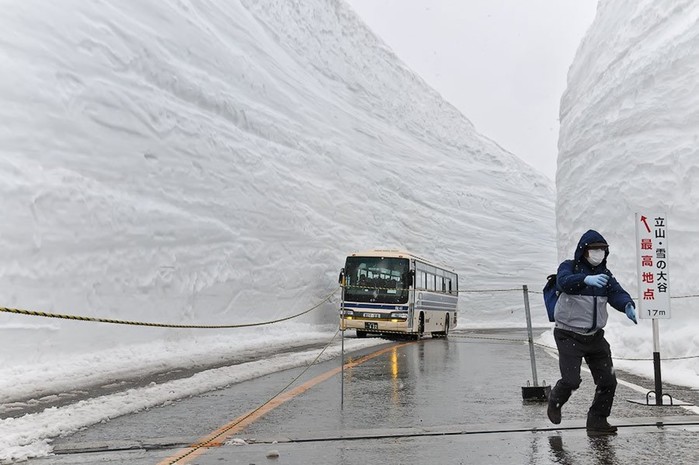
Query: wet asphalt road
[[455, 401]]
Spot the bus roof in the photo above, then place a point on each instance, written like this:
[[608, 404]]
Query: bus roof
[[397, 253]]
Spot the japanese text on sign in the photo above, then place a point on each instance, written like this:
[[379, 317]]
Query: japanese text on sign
[[652, 263]]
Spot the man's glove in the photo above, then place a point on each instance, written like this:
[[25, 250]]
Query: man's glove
[[596, 280], [631, 312]]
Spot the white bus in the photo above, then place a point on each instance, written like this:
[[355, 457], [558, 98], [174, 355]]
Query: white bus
[[392, 292]]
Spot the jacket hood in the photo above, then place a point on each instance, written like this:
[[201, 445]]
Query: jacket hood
[[590, 237]]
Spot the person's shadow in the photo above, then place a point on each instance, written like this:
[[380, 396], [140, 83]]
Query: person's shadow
[[601, 447], [560, 455]]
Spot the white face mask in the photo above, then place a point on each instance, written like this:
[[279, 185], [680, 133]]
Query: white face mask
[[595, 256]]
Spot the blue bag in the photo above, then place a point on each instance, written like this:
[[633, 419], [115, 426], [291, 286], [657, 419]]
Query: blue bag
[[551, 294]]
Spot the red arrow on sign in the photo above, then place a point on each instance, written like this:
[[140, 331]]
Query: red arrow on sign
[[643, 220]]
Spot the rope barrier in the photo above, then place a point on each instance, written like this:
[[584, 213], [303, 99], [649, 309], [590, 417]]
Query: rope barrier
[[529, 290], [374, 288], [476, 291], [524, 341], [684, 296], [17, 311]]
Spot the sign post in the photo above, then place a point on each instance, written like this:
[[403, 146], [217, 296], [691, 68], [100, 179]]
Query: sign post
[[536, 392], [652, 262]]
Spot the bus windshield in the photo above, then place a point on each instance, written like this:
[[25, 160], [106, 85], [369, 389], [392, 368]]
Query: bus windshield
[[377, 279]]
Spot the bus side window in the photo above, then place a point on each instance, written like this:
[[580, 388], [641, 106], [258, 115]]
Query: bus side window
[[430, 281]]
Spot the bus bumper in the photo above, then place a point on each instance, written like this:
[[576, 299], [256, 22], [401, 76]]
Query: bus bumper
[[375, 326]]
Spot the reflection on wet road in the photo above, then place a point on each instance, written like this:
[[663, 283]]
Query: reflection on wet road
[[455, 401]]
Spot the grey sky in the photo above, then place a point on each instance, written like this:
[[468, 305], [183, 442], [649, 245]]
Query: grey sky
[[503, 63]]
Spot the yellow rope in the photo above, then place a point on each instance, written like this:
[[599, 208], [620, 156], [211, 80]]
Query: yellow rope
[[17, 311]]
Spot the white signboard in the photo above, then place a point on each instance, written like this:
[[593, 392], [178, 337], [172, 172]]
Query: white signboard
[[653, 266]]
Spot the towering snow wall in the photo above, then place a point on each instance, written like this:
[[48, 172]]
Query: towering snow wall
[[214, 161], [629, 143]]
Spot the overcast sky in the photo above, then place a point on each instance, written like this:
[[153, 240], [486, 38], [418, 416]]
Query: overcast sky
[[503, 63]]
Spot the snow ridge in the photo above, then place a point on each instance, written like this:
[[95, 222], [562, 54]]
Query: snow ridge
[[628, 143], [214, 162]]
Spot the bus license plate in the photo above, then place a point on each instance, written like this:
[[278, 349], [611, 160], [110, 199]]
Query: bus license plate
[[369, 325]]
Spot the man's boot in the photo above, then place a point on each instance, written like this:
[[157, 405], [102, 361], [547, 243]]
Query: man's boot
[[599, 425], [554, 412]]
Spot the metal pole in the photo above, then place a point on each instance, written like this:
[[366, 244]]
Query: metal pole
[[529, 332], [342, 350], [656, 364]]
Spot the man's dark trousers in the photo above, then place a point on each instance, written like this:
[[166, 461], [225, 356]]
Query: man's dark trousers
[[572, 348]]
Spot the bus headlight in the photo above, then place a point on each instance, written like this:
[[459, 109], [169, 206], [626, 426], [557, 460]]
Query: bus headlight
[[400, 315], [347, 313]]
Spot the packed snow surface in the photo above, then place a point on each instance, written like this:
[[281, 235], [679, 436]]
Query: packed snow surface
[[628, 143], [214, 162]]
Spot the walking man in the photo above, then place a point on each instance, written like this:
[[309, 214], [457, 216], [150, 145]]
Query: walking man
[[587, 286]]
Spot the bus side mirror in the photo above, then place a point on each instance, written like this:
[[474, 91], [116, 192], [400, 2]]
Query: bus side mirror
[[341, 278]]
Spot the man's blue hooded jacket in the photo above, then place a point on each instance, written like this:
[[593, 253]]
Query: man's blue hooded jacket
[[582, 308]]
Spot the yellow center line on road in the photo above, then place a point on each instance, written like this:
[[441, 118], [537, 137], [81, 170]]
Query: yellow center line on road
[[219, 436]]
